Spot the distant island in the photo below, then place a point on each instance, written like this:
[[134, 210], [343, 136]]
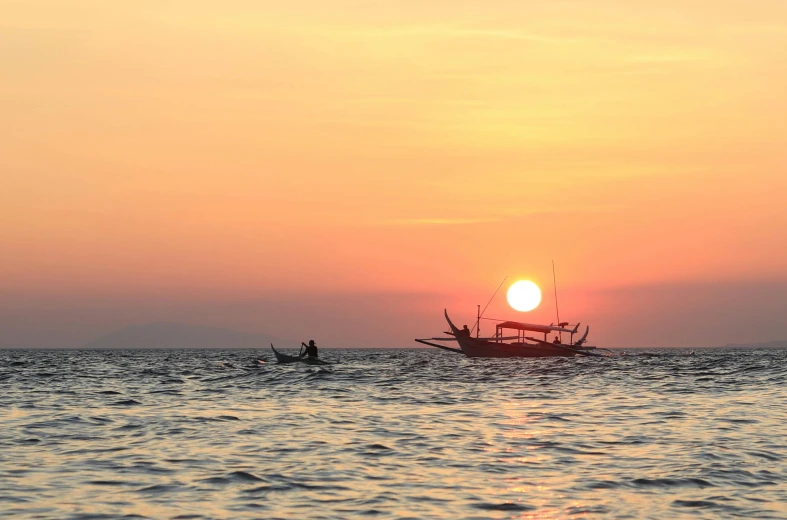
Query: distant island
[[166, 335]]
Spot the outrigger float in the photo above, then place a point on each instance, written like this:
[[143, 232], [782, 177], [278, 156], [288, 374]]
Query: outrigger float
[[519, 345]]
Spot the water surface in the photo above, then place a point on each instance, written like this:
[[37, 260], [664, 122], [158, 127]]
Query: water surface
[[392, 434]]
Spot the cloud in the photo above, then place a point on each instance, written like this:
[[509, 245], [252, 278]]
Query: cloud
[[440, 221], [757, 30], [679, 57], [450, 31], [502, 215]]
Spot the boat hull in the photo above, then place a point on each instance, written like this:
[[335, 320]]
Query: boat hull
[[475, 348]]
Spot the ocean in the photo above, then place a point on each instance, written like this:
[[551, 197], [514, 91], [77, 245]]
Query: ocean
[[396, 433]]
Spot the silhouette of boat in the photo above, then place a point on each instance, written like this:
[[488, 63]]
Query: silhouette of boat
[[520, 345], [284, 358]]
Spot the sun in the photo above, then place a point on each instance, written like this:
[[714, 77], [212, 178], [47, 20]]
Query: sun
[[524, 295]]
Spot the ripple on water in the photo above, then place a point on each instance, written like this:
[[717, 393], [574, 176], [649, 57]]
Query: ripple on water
[[126, 402], [671, 482]]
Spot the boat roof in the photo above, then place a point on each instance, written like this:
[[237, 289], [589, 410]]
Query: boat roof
[[544, 329]]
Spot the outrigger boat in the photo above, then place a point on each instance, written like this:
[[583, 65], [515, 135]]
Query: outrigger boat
[[284, 358], [520, 345]]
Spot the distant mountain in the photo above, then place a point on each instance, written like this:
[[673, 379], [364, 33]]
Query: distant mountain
[[178, 335], [769, 344]]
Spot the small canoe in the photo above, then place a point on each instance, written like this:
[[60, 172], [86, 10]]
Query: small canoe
[[284, 358]]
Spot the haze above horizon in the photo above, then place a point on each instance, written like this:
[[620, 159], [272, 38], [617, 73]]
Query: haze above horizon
[[344, 171]]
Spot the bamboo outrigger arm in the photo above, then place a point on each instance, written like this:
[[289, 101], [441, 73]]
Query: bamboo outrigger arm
[[428, 342]]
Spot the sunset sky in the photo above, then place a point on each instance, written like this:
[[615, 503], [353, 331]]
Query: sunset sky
[[345, 170]]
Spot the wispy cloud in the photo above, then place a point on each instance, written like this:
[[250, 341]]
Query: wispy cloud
[[439, 221], [500, 216], [451, 31], [672, 57], [758, 29]]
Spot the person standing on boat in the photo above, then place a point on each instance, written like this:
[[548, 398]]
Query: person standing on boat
[[311, 349]]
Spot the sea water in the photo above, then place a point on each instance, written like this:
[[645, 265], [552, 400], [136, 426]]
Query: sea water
[[392, 434]]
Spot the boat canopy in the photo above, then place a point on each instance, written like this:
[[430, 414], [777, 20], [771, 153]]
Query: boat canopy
[[544, 329]]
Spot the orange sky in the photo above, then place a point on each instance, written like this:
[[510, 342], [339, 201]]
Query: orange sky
[[381, 160]]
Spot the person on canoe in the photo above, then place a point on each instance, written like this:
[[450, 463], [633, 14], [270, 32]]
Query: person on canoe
[[311, 349]]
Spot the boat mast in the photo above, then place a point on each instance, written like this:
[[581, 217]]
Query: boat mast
[[557, 309], [478, 322], [481, 313]]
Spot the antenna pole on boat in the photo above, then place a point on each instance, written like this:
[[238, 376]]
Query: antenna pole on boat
[[557, 309], [478, 322], [481, 313]]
